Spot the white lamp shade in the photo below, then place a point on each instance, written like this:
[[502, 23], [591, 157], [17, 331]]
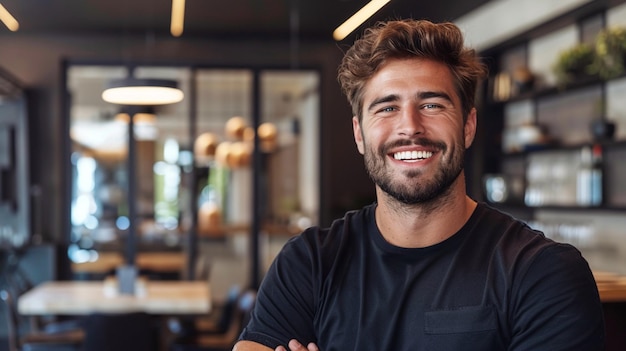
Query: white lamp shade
[[132, 91]]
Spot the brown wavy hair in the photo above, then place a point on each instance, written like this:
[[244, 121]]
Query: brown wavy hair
[[399, 39]]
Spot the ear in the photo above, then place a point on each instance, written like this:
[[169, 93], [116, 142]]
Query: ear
[[470, 128], [358, 135]]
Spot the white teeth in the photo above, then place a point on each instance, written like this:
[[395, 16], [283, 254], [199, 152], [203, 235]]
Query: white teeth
[[412, 155]]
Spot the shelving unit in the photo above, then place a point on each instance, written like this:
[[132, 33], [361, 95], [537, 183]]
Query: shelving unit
[[566, 112]]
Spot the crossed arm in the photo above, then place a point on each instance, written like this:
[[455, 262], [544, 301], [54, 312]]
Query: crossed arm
[[294, 345]]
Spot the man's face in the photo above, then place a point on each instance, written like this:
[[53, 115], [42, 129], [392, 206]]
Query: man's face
[[412, 134]]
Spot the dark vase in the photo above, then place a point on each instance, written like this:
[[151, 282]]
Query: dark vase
[[602, 130]]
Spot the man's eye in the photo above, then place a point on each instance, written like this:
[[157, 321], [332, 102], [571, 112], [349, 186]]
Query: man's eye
[[387, 109], [431, 106]]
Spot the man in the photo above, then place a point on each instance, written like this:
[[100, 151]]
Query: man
[[425, 267]]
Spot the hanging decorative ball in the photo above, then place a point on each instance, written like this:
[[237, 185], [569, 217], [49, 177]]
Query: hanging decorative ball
[[268, 136], [138, 118], [248, 134], [221, 153], [205, 145], [235, 127], [209, 218], [240, 154]]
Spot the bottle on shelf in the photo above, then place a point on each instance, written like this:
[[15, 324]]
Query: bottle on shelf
[[596, 175], [589, 179]]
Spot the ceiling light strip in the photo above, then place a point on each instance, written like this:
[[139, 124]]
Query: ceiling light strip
[[8, 19], [178, 17], [358, 18]]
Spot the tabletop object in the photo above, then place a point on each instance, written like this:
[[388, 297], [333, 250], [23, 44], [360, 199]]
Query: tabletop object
[[85, 297], [611, 286], [154, 261]]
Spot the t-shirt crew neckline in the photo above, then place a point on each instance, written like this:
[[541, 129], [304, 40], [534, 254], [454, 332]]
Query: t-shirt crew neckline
[[388, 248]]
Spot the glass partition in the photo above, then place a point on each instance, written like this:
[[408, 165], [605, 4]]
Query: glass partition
[[193, 160], [99, 139]]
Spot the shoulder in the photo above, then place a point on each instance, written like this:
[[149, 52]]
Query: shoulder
[[534, 259], [492, 218], [510, 234], [334, 236], [552, 295], [319, 247], [293, 284], [523, 249]]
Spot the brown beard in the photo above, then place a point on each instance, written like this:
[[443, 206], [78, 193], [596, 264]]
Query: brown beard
[[414, 190]]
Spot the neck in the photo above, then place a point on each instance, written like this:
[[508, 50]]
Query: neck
[[424, 224]]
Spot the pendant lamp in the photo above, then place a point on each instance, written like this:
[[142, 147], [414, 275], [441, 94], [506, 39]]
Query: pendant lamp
[[133, 91]]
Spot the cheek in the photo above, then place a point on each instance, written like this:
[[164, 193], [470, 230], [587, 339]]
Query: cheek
[[458, 133], [373, 139]]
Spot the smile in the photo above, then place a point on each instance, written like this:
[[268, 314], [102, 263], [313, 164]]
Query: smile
[[412, 155]]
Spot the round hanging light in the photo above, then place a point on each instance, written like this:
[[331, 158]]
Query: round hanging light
[[133, 91]]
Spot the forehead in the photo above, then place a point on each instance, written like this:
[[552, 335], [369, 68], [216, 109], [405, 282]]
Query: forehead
[[410, 76]]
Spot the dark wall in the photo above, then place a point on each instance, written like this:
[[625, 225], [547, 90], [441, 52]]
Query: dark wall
[[37, 62]]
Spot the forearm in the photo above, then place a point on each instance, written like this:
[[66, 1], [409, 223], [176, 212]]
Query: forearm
[[245, 345]]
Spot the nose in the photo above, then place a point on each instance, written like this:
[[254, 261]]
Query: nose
[[411, 122]]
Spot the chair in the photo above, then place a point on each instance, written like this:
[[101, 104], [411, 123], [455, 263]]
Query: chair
[[209, 341], [227, 313], [36, 341], [18, 283], [133, 331], [215, 323], [202, 268]]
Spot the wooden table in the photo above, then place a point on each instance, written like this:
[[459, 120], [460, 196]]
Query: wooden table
[[84, 297], [611, 286], [153, 261]]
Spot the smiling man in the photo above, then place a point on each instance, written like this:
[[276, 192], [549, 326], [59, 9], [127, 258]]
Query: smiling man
[[425, 267]]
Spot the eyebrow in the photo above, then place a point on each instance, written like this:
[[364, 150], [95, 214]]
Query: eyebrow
[[421, 96], [382, 100], [435, 94]]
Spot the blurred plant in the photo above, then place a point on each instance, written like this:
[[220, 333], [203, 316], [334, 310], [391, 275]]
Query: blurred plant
[[574, 63], [610, 53]]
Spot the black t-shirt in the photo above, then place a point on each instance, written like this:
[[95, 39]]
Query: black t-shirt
[[494, 285]]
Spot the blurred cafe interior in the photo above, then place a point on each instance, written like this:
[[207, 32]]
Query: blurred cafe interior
[[128, 218]]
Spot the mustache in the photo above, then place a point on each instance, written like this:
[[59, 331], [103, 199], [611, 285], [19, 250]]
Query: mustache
[[437, 145]]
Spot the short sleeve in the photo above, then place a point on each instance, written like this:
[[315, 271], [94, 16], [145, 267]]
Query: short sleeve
[[556, 305], [285, 303]]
